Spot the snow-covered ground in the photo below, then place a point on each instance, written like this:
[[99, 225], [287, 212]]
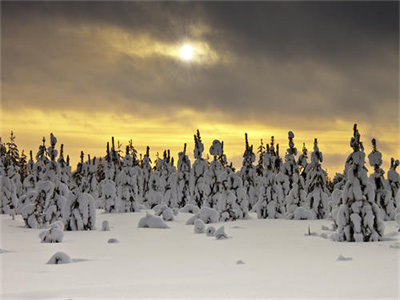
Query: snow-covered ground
[[279, 260]]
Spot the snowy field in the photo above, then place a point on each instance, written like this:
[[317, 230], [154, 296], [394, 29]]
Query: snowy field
[[279, 260]]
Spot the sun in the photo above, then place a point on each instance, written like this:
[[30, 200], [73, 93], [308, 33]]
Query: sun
[[186, 52]]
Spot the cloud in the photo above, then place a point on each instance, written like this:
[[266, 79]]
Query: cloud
[[263, 67]]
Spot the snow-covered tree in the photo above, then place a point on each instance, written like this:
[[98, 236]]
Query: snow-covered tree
[[394, 180], [127, 185], [81, 212], [8, 194], [261, 153], [383, 197], [302, 162], [153, 196], [183, 178], [215, 175], [358, 218], [271, 194], [248, 173], [199, 187], [109, 199], [317, 192], [36, 214]]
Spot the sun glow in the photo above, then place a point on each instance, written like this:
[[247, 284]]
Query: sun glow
[[186, 52]]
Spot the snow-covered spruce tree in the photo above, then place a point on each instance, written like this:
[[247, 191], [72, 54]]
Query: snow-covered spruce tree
[[167, 178], [261, 153], [28, 185], [271, 192], [14, 165], [109, 198], [92, 178], [215, 175], [302, 162], [8, 192], [317, 192], [248, 173], [153, 196], [81, 212], [147, 173], [80, 176], [232, 203], [36, 214], [183, 178], [358, 218], [382, 190], [55, 210], [170, 193], [199, 188], [41, 161], [290, 167], [394, 180], [127, 185]]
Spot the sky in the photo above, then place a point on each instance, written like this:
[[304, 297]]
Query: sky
[[87, 71]]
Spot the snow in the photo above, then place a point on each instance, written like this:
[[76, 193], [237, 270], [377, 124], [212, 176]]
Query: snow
[[150, 221], [105, 226], [59, 258], [280, 261], [220, 233]]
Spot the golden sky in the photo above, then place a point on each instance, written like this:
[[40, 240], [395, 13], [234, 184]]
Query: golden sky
[[87, 71]]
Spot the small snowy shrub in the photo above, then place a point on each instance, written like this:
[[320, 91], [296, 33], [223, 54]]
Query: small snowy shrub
[[59, 258], [302, 213], [207, 215], [168, 214], [150, 221], [220, 233], [199, 226], [105, 226], [210, 231], [190, 208], [54, 234], [112, 241]]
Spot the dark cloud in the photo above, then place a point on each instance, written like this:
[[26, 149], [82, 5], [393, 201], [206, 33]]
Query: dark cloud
[[289, 62]]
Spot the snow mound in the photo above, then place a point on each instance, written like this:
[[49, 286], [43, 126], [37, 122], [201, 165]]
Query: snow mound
[[190, 208], [342, 258], [210, 231], [112, 241], [323, 227], [302, 213], [220, 233], [59, 258], [206, 214], [168, 214], [54, 234], [199, 226], [240, 262], [150, 221], [105, 226]]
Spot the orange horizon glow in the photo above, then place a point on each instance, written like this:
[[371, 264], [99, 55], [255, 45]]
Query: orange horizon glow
[[80, 131]]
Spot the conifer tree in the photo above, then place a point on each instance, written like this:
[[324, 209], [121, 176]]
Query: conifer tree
[[215, 175], [199, 187], [261, 154], [382, 191], [183, 178], [127, 185], [271, 193], [248, 173], [317, 192], [394, 180], [358, 218]]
